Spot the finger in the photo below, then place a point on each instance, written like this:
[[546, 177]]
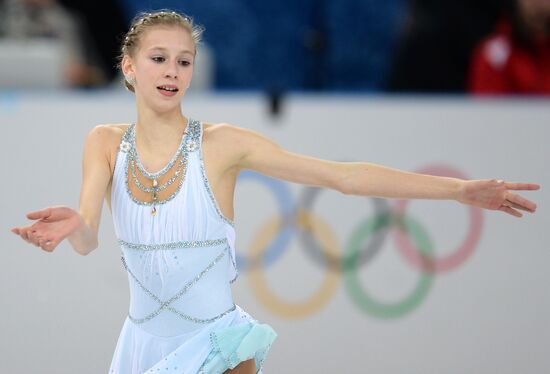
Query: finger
[[39, 214], [516, 206], [25, 234], [16, 230], [511, 211], [34, 238], [524, 203], [48, 245], [44, 244], [521, 186]]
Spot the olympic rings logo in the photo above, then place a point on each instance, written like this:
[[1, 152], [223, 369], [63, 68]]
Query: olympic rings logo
[[319, 242]]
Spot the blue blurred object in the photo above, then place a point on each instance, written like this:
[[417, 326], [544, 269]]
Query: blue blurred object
[[361, 37], [293, 45]]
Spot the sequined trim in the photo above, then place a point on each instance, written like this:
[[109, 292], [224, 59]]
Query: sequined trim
[[166, 304], [133, 150], [209, 358], [213, 199], [208, 320], [168, 183], [171, 246], [234, 266], [207, 185], [188, 144], [155, 202]]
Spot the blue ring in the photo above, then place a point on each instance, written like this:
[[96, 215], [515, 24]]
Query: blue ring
[[283, 196]]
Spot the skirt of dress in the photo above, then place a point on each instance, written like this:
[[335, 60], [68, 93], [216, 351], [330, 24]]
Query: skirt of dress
[[212, 349]]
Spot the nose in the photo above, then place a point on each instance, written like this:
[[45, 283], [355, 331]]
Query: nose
[[171, 70]]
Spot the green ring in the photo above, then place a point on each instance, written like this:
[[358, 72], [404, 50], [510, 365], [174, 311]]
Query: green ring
[[361, 299]]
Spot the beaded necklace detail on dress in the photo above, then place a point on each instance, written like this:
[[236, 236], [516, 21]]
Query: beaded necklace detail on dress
[[188, 144], [180, 265]]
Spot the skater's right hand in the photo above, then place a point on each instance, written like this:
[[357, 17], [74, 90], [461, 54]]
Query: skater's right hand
[[52, 226]]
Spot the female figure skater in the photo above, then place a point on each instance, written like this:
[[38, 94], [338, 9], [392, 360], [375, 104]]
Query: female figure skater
[[169, 182]]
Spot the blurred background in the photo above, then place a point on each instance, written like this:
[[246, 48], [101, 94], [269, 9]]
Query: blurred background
[[447, 87], [422, 46]]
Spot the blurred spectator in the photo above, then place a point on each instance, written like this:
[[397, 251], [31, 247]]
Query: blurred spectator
[[23, 20], [105, 23], [437, 41], [515, 58], [284, 45]]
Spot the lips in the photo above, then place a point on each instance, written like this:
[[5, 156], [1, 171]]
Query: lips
[[168, 88]]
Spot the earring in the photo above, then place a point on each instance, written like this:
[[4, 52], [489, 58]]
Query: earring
[[131, 80]]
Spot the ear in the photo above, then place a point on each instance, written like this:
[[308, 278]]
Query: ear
[[127, 66]]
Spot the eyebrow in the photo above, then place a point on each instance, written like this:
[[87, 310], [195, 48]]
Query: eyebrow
[[165, 49]]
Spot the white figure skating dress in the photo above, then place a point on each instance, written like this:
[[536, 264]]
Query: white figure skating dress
[[180, 257]]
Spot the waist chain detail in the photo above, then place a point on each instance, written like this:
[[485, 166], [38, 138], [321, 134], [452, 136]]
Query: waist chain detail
[[166, 304], [174, 245]]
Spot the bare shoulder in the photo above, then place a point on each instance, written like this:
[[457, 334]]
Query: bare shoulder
[[223, 145], [220, 134], [237, 145], [231, 135], [217, 129], [103, 141], [108, 131], [106, 136]]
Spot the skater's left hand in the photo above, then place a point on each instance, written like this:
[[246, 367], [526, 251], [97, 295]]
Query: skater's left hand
[[496, 195]]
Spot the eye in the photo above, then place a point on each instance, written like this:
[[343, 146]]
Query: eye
[[158, 58], [185, 63]]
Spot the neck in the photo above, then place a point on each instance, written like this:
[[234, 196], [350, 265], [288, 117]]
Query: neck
[[158, 130]]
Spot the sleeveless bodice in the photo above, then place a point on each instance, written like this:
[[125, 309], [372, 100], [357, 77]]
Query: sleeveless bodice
[[179, 253], [181, 260]]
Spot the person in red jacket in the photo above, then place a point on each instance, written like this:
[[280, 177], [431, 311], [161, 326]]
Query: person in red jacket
[[515, 58]]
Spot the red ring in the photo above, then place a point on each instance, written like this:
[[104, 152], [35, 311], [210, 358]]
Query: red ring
[[457, 257]]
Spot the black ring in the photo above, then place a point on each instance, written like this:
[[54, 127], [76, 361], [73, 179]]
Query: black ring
[[341, 263]]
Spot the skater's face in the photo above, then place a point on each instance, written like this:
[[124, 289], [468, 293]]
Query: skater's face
[[162, 66]]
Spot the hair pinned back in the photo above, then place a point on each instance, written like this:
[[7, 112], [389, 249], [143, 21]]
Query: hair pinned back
[[145, 20]]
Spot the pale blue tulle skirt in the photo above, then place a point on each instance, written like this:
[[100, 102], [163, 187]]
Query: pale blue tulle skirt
[[236, 344], [212, 349]]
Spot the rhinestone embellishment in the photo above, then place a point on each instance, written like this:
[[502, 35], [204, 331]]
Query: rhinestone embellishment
[[124, 146], [174, 245], [190, 142], [166, 305], [191, 145]]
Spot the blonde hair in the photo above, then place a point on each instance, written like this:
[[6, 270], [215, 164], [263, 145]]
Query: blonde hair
[[144, 21]]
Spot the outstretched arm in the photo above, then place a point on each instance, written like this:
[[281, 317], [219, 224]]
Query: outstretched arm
[[362, 178], [53, 224]]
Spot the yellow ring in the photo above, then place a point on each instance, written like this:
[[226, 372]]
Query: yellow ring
[[305, 221]]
